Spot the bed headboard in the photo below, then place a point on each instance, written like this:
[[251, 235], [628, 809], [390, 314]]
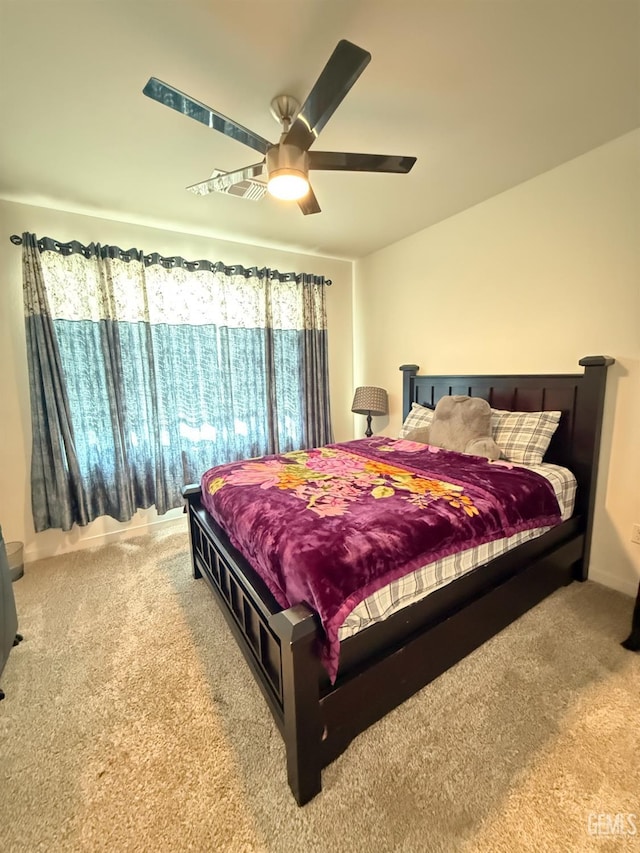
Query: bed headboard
[[580, 398]]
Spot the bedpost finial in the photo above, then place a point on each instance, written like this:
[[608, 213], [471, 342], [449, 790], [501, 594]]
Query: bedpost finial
[[596, 361]]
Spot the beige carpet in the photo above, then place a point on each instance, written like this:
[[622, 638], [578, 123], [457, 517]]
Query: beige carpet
[[132, 723]]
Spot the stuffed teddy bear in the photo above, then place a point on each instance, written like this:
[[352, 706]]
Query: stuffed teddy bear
[[460, 423]]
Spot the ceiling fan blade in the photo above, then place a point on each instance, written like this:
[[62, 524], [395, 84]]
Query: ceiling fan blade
[[340, 161], [181, 103], [239, 183], [309, 204], [345, 65]]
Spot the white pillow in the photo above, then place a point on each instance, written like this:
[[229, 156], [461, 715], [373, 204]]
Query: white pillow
[[523, 437], [418, 418]]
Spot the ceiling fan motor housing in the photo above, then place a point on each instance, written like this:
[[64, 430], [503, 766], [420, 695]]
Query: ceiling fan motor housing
[[287, 159]]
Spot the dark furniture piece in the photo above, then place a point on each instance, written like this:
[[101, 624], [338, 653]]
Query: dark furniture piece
[[8, 617], [633, 640], [389, 661]]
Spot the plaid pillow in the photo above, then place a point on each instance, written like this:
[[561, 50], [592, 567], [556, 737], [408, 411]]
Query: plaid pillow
[[418, 418], [523, 436]]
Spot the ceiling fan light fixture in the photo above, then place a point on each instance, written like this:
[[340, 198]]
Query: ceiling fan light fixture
[[288, 185], [287, 168]]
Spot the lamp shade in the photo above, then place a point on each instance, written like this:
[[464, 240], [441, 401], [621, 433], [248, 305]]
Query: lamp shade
[[369, 400]]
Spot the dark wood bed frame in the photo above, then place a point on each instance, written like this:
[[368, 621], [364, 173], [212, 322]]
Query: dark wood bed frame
[[389, 661]]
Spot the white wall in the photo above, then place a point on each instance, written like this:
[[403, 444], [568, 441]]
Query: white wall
[[529, 281], [15, 427]]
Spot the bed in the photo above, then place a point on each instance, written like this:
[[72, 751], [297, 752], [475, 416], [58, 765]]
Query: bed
[[390, 660]]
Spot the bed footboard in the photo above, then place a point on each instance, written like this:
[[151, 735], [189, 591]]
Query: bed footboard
[[280, 646]]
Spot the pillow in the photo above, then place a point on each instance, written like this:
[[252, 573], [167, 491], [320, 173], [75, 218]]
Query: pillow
[[523, 437], [418, 418]]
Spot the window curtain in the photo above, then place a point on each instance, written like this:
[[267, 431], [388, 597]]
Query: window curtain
[[145, 372]]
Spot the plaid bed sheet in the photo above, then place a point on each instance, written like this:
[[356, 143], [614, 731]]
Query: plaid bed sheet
[[415, 586]]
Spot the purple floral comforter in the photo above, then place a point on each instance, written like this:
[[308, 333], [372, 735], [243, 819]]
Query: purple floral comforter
[[330, 526]]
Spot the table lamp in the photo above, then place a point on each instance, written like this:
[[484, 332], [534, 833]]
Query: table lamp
[[369, 400]]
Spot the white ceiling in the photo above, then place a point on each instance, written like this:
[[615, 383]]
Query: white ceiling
[[486, 94]]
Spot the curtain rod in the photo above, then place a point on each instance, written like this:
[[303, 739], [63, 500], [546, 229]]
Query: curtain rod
[[169, 262]]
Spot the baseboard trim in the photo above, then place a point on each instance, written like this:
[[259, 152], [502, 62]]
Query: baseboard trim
[[36, 552], [628, 586]]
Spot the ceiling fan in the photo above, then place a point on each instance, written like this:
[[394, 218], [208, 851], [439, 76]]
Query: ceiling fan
[[287, 163]]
